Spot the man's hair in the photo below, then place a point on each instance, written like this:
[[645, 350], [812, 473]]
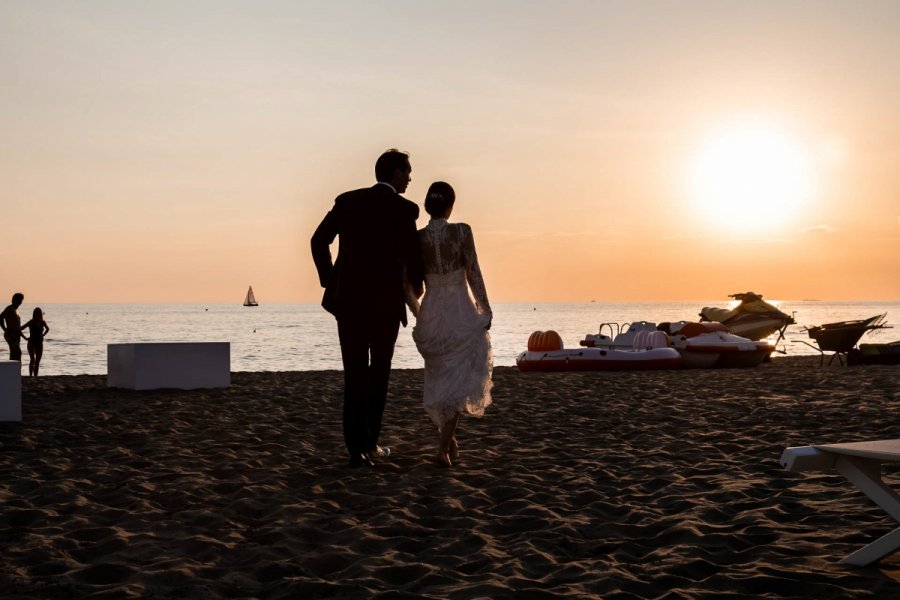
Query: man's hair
[[388, 163], [18, 297], [440, 197]]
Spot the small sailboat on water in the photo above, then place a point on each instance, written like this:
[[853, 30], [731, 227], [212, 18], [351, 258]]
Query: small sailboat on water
[[250, 299]]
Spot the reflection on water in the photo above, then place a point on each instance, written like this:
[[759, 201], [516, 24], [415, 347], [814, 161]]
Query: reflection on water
[[297, 337]]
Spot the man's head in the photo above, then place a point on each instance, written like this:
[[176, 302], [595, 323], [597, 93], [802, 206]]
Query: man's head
[[17, 299], [393, 167]]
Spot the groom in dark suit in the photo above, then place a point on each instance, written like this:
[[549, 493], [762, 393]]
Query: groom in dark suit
[[377, 235]]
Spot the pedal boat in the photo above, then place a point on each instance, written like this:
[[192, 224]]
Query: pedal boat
[[711, 345], [703, 345], [551, 359]]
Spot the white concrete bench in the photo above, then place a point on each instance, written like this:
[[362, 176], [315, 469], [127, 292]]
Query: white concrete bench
[[10, 390], [179, 365]]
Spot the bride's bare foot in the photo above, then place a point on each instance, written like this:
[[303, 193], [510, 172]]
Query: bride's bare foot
[[448, 449], [443, 460]]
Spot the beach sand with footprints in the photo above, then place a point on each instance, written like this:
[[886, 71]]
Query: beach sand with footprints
[[574, 485]]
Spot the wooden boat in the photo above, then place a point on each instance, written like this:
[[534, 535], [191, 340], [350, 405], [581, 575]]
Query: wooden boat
[[875, 354], [250, 299], [842, 336], [753, 318]]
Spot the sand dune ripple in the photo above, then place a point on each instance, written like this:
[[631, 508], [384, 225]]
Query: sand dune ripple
[[612, 485]]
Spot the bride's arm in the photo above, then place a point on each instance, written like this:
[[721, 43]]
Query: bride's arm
[[473, 271]]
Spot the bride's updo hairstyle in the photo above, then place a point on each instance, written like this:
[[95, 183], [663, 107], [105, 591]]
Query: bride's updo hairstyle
[[440, 197]]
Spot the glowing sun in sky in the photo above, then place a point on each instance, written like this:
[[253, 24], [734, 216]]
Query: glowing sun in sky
[[750, 177]]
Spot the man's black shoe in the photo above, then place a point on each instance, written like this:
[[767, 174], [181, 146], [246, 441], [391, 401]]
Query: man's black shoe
[[361, 460]]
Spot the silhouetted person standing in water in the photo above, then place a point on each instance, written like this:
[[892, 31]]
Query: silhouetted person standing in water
[[12, 326], [377, 235], [37, 328]]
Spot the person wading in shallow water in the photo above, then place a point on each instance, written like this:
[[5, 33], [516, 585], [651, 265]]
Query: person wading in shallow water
[[12, 326], [37, 328]]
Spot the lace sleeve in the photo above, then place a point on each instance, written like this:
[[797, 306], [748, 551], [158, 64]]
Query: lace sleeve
[[473, 271]]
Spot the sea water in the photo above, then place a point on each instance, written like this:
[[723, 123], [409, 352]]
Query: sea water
[[301, 337]]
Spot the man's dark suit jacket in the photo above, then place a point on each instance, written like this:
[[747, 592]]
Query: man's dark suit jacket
[[377, 238]]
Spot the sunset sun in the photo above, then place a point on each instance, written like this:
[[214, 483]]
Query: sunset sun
[[750, 178]]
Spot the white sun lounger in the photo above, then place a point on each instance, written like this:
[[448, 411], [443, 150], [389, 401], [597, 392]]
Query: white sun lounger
[[860, 463]]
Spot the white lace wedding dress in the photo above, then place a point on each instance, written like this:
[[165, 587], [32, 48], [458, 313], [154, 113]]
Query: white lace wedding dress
[[451, 327]]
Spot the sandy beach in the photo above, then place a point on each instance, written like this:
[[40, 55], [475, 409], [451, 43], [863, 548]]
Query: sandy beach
[[574, 485]]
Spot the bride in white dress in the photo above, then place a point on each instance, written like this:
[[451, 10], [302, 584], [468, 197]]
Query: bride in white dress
[[451, 331]]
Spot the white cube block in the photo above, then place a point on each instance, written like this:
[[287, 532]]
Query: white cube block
[[179, 365], [10, 390]]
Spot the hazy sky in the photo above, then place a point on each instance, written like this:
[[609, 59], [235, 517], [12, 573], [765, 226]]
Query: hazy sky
[[610, 150]]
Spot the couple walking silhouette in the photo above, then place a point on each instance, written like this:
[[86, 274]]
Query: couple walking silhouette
[[384, 265]]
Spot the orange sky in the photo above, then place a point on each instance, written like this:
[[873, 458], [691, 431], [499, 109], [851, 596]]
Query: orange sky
[[177, 152]]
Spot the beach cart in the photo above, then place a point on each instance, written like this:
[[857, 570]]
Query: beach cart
[[841, 337]]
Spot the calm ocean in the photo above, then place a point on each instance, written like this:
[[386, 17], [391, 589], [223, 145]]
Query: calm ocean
[[301, 337]]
